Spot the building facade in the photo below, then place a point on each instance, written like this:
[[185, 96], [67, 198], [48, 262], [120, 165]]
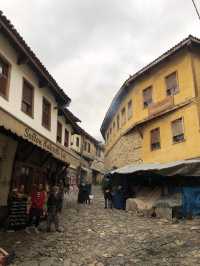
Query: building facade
[[37, 130], [92, 153], [155, 116]]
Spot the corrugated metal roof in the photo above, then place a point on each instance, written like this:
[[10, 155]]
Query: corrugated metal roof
[[184, 167]]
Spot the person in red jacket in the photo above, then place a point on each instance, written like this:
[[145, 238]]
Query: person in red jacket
[[38, 199]]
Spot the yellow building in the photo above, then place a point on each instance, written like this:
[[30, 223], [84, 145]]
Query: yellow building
[[155, 116]]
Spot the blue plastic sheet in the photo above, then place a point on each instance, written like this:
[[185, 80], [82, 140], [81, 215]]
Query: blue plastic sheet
[[191, 201]]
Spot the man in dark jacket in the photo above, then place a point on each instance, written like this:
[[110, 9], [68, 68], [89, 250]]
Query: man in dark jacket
[[53, 207]]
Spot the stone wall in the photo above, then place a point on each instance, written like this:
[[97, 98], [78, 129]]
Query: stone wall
[[126, 151]]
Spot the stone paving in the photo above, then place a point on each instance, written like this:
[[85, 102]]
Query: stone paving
[[94, 236]]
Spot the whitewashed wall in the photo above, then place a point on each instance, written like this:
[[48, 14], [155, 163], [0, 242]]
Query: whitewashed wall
[[13, 105], [68, 127]]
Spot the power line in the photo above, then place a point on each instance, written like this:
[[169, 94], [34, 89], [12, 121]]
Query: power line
[[195, 6]]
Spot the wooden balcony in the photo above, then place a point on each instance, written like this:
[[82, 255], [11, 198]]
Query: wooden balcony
[[161, 106]]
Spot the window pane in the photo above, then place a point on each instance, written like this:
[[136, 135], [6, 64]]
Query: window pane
[[129, 109], [123, 112], [27, 98], [3, 85], [77, 142], [66, 138], [172, 84], [46, 114], [118, 125], [147, 96], [155, 139], [59, 132], [177, 130]]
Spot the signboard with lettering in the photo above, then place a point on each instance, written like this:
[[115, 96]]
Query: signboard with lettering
[[11, 123]]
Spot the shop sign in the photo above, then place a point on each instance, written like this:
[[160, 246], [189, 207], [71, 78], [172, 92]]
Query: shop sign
[[45, 144], [10, 122]]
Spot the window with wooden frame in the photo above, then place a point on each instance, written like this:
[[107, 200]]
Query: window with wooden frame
[[66, 142], [46, 114], [178, 130], [155, 139], [147, 97], [27, 98], [114, 125], [4, 77], [118, 122], [172, 84], [59, 132], [107, 136], [77, 142], [85, 146], [123, 114], [130, 109], [89, 147]]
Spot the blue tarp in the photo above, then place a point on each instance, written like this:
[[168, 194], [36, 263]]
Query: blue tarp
[[191, 201]]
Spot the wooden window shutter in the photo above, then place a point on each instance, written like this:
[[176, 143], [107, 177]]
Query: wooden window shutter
[[177, 127]]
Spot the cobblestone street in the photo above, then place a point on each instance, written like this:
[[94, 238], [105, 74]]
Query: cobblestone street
[[95, 236]]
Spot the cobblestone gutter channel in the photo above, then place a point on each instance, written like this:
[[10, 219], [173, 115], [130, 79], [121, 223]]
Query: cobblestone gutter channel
[[94, 236]]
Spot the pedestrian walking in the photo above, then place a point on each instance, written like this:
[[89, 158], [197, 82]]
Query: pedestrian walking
[[53, 208], [108, 198], [107, 192], [38, 198]]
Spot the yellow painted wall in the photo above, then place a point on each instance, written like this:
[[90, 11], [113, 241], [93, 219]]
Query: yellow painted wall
[[169, 151], [156, 78]]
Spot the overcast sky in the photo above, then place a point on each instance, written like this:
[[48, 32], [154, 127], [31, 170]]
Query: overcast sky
[[91, 46]]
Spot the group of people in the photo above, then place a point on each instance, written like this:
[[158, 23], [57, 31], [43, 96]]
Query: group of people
[[114, 196], [84, 194], [27, 211]]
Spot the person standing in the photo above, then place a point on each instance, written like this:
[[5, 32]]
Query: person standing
[[38, 198], [108, 198], [53, 208]]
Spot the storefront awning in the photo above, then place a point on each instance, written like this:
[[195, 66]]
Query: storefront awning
[[184, 168], [9, 122]]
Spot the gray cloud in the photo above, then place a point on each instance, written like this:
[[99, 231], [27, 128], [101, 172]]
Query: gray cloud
[[92, 46]]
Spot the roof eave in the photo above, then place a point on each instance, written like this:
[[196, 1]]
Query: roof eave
[[186, 42], [9, 29]]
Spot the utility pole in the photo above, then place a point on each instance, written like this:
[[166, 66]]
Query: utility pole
[[196, 9]]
